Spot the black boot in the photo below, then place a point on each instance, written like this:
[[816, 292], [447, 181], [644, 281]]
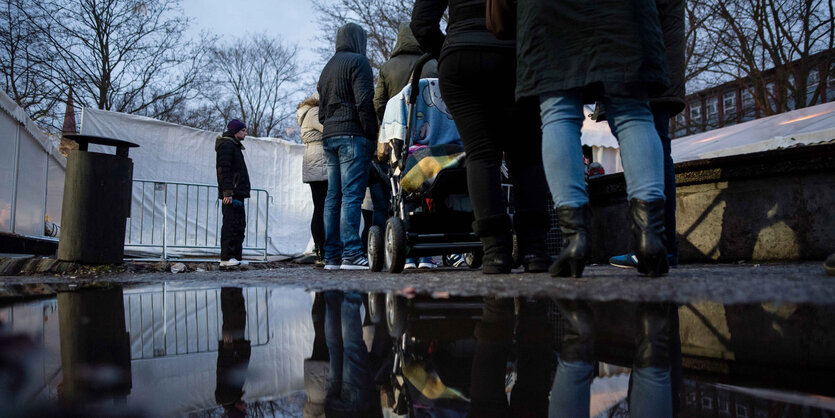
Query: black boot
[[576, 240], [497, 241], [648, 233], [319, 261], [531, 228], [652, 335]]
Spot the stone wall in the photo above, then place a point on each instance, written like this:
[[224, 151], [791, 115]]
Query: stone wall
[[769, 206]]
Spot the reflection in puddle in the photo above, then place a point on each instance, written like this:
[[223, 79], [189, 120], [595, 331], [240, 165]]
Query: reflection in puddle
[[207, 351]]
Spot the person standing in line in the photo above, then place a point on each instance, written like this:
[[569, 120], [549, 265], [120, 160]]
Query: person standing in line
[[233, 187], [477, 79], [346, 111], [314, 169]]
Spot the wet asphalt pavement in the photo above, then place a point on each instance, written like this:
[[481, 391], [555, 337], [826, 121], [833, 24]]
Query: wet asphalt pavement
[[727, 283]]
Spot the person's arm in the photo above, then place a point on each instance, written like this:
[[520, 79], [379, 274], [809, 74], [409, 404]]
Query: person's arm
[[225, 169], [380, 96], [426, 18], [363, 85]]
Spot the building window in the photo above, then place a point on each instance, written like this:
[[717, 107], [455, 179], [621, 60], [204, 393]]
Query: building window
[[814, 78], [747, 98], [680, 119], [696, 112], [707, 403], [729, 102], [741, 411], [712, 106]]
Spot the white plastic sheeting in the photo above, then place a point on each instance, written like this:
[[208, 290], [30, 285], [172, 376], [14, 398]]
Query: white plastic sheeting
[[603, 143], [174, 153], [31, 169], [807, 126]]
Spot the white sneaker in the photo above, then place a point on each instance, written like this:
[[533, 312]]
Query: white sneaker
[[410, 264], [332, 265], [427, 263], [232, 262]]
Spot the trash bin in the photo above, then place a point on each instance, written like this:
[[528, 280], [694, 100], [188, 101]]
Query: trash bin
[[97, 198]]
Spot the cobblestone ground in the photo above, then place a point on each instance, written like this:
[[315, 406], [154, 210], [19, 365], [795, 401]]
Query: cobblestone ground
[[729, 284]]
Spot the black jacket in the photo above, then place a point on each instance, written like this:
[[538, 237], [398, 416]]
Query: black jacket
[[395, 73], [671, 16], [232, 176], [616, 48], [346, 88], [467, 27]]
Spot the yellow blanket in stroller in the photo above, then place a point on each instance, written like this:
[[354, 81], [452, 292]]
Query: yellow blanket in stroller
[[425, 162]]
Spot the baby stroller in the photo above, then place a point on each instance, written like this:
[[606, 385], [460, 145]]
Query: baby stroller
[[431, 209]]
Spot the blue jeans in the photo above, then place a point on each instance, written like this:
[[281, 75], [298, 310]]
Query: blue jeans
[[562, 154], [570, 396], [350, 382], [348, 159]]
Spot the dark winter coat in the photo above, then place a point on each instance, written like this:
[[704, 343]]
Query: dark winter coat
[[232, 175], [671, 16], [467, 26], [598, 46], [346, 88], [395, 73]]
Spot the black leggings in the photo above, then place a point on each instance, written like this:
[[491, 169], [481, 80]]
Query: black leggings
[[319, 189], [478, 88]]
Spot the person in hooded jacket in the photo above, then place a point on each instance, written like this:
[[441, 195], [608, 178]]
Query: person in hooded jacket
[[314, 169], [396, 72], [233, 187], [477, 78], [346, 111]]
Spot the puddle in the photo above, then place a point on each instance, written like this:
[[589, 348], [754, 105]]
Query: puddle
[[203, 350]]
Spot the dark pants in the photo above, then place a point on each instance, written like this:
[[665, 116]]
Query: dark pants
[[319, 189], [478, 88], [232, 231], [662, 125]]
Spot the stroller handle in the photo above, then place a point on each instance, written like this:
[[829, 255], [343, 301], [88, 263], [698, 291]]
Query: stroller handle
[[413, 96]]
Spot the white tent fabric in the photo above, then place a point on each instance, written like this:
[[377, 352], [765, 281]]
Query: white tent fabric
[[807, 126], [174, 153], [31, 173], [603, 143]]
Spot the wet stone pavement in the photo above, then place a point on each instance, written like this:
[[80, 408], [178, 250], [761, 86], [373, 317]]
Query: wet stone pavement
[[740, 340], [722, 283]]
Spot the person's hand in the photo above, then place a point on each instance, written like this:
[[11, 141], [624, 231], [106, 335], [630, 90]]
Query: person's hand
[[227, 200]]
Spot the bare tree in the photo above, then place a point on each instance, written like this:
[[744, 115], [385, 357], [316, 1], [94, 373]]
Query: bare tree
[[381, 18], [26, 77], [128, 56], [757, 40], [257, 80]]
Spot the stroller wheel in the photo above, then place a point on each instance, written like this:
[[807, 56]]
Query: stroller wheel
[[377, 307], [395, 245], [397, 312], [376, 251], [474, 259]]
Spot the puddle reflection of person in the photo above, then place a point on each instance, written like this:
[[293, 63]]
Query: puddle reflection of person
[[233, 353], [650, 391], [350, 391]]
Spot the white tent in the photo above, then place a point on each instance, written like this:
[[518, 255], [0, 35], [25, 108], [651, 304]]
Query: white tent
[[172, 153], [603, 143], [807, 126], [31, 173]]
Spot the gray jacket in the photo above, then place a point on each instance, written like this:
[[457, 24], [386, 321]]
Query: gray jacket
[[313, 164]]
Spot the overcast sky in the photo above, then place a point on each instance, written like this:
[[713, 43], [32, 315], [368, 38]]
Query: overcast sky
[[291, 20]]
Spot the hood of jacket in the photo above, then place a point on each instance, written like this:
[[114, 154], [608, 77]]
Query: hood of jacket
[[406, 42], [222, 139], [351, 38], [301, 113]]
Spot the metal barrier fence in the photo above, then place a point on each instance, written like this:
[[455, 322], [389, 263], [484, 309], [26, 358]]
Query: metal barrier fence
[[187, 218], [165, 322]]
